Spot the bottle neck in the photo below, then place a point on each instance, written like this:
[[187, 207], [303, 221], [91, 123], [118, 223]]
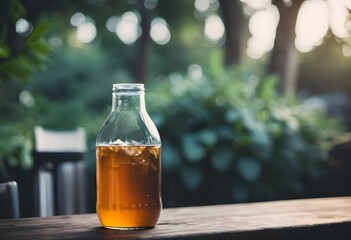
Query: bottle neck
[[128, 101], [128, 97]]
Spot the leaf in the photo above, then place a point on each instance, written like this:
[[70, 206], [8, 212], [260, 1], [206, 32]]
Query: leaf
[[268, 88], [232, 115], [192, 177], [216, 63], [38, 32], [16, 10], [23, 65], [260, 135], [4, 52], [39, 49], [249, 168], [4, 74], [26, 63], [14, 68], [208, 137], [192, 149], [12, 161], [26, 157], [170, 156], [222, 159], [3, 34]]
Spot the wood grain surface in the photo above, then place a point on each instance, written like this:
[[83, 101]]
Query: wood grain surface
[[323, 218]]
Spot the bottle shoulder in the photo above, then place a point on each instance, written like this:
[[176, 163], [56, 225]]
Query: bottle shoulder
[[128, 127]]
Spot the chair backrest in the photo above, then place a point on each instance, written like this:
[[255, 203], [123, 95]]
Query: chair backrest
[[59, 141], [60, 176], [9, 202]]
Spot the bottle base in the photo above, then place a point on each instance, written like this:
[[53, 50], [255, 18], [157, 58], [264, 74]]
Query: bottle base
[[128, 228]]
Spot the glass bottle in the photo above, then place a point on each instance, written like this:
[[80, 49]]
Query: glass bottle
[[128, 163]]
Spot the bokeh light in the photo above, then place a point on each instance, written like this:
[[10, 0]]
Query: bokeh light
[[202, 5], [262, 26], [205, 8], [77, 19], [346, 50], [24, 27], [339, 15], [347, 3], [128, 28], [312, 24], [150, 4], [26, 98], [111, 23], [56, 43], [214, 28], [257, 4], [86, 32], [195, 72], [159, 31]]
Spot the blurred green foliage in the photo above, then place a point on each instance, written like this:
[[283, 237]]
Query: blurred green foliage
[[227, 137], [20, 55], [230, 137]]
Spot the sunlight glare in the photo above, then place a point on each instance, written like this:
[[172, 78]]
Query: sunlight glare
[[254, 48], [257, 4], [312, 24], [347, 3], [262, 26], [214, 28], [338, 17]]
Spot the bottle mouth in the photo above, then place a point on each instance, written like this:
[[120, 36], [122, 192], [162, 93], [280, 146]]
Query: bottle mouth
[[128, 88]]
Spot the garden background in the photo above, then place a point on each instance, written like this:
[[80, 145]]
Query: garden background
[[251, 98]]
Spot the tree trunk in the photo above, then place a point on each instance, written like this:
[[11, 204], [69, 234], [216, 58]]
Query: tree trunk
[[233, 20], [141, 68], [284, 58]]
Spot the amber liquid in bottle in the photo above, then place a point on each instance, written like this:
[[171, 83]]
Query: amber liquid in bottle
[[128, 186]]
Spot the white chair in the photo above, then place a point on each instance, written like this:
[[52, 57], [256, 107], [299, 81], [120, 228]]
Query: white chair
[[60, 185]]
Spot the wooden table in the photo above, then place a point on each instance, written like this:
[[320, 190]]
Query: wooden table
[[323, 218]]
